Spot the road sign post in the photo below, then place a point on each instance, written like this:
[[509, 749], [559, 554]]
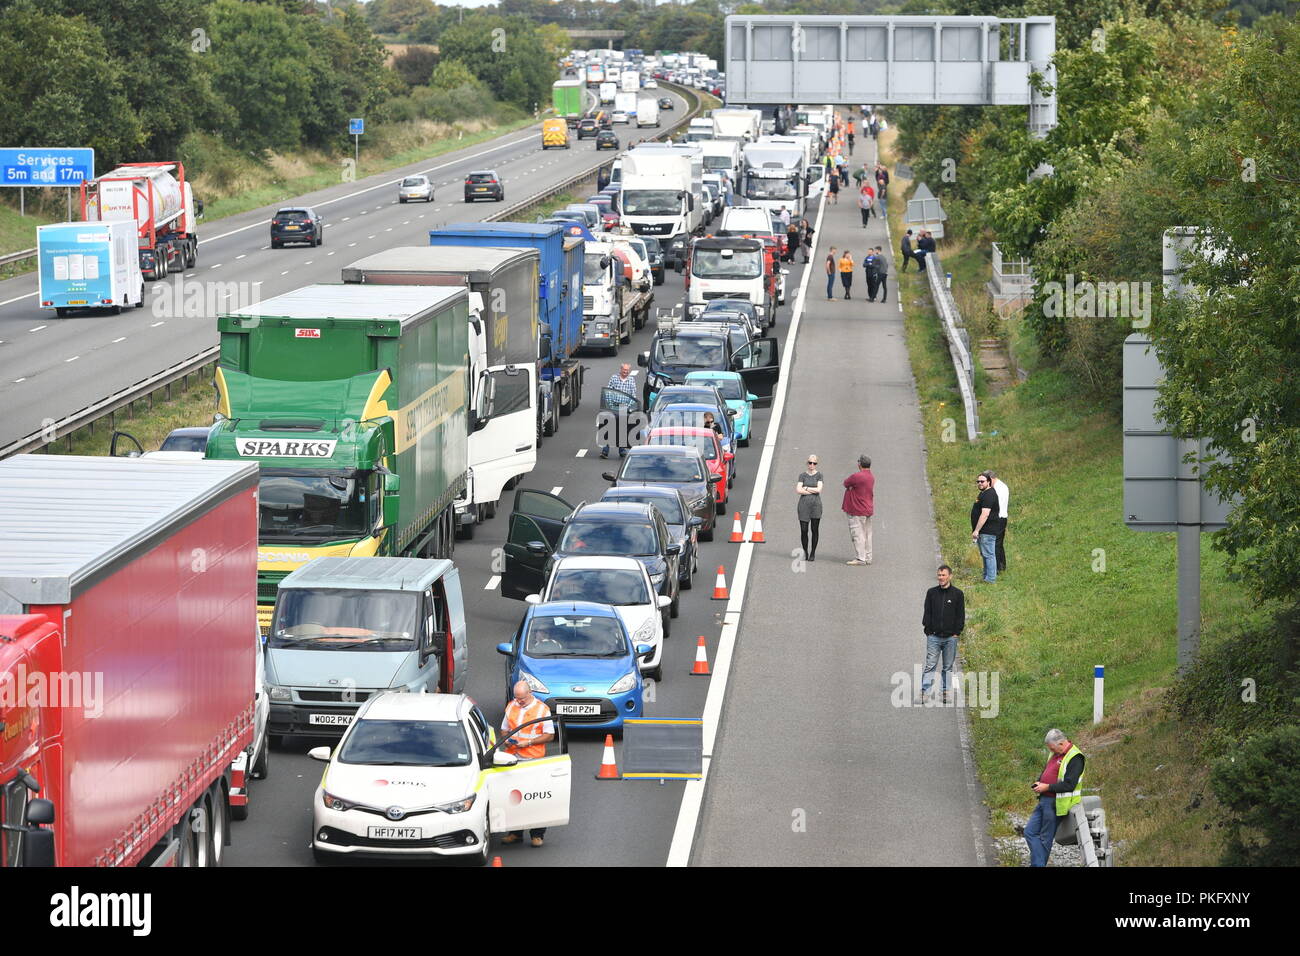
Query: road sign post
[[42, 166], [356, 127]]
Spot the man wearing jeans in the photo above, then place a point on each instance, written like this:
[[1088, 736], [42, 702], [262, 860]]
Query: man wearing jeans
[[830, 273], [984, 526], [860, 505], [1059, 788], [942, 621]]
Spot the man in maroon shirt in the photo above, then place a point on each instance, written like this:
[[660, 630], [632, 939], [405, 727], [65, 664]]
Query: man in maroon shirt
[[860, 505]]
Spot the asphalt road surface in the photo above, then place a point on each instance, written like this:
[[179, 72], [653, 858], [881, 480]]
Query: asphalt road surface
[[51, 367]]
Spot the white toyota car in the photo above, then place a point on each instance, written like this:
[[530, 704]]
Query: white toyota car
[[420, 775]]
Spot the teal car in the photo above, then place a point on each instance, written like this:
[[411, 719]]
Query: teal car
[[732, 388]]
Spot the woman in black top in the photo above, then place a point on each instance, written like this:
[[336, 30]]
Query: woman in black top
[[806, 228], [809, 489]]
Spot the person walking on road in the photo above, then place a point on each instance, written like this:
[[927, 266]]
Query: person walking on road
[[871, 275], [830, 274], [1059, 788], [906, 247], [809, 489], [792, 240], [860, 505], [623, 383], [851, 138], [806, 231], [526, 743], [882, 273], [882, 179], [1004, 501], [833, 186], [942, 620], [865, 201], [984, 526], [846, 272]]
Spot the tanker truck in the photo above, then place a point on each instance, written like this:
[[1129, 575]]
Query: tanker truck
[[160, 202]]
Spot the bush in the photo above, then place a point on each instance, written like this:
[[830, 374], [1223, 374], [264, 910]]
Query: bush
[[416, 65], [1255, 785]]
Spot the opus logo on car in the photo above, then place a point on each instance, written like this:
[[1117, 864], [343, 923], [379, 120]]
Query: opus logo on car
[[518, 796]]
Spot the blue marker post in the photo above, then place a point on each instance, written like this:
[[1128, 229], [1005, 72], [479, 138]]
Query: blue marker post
[[1098, 685]]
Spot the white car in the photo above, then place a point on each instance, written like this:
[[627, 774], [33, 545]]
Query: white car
[[415, 187], [650, 84], [419, 775], [624, 585], [620, 116]]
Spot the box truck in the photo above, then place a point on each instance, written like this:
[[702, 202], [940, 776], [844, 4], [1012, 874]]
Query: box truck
[[567, 100], [88, 265]]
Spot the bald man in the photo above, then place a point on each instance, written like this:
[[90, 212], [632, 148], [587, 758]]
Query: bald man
[[528, 743]]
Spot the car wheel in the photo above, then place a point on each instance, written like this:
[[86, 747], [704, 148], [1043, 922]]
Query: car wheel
[[720, 508], [675, 608], [706, 535], [61, 313], [401, 200], [687, 582], [275, 244], [275, 740], [657, 674], [486, 856], [322, 858], [744, 443]]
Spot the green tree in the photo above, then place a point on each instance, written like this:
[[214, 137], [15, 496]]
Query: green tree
[[506, 54], [452, 75]]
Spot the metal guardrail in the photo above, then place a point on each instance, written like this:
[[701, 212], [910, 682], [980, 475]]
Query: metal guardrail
[[1086, 828], [52, 431], [954, 330], [17, 257]]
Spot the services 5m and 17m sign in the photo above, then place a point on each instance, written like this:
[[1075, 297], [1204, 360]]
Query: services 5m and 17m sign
[[46, 167]]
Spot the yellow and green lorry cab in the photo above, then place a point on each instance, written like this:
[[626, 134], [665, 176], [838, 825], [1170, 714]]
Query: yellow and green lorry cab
[[353, 401]]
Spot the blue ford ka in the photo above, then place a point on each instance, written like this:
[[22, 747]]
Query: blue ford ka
[[731, 385], [577, 656]]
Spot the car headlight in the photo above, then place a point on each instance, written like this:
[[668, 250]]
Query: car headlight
[[280, 693], [624, 683], [645, 634], [536, 686], [336, 803], [460, 806], [657, 579]]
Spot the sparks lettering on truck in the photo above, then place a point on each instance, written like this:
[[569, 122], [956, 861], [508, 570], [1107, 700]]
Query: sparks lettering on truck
[[284, 448]]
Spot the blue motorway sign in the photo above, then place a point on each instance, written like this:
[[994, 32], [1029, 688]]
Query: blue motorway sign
[[356, 127], [46, 167]]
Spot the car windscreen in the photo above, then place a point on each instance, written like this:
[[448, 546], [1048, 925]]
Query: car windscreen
[[292, 214], [726, 264], [717, 162], [666, 468], [730, 388], [407, 743], [312, 506], [572, 635], [682, 397], [651, 202], [345, 619], [185, 443], [620, 587], [703, 443], [415, 181], [691, 352], [600, 536], [482, 177], [675, 416], [669, 507], [764, 188]]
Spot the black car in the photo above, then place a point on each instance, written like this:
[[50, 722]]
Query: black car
[[544, 528], [606, 139], [656, 252], [683, 525], [676, 466], [297, 224], [735, 305], [484, 184], [665, 102], [190, 438], [687, 347], [587, 127]]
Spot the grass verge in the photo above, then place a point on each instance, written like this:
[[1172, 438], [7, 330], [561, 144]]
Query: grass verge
[[1081, 590]]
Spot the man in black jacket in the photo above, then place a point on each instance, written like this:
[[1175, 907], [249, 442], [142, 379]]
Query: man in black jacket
[[943, 620], [906, 248]]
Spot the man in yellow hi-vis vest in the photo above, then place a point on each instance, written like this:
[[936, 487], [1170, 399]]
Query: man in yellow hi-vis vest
[[1059, 788]]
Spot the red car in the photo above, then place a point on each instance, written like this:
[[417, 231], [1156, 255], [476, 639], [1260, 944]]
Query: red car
[[706, 440]]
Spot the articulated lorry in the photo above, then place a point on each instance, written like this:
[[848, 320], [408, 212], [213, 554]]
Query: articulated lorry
[[567, 100], [156, 197], [559, 306], [504, 372], [88, 265], [660, 197], [729, 268], [354, 401], [128, 658], [775, 176], [736, 124]]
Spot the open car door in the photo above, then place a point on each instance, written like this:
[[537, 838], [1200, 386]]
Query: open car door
[[759, 364], [530, 794], [537, 519]]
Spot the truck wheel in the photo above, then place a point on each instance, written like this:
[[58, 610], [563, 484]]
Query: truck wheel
[[490, 510], [217, 805], [275, 740], [61, 313], [539, 430], [262, 764], [465, 532], [192, 255], [553, 424]]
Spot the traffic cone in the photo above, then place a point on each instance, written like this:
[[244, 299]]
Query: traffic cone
[[701, 666], [756, 532], [737, 535], [608, 766], [720, 585], [496, 861]]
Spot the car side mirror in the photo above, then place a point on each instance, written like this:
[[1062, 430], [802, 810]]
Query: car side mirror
[[728, 456], [714, 479], [319, 753], [644, 650], [751, 397], [609, 476], [695, 522], [505, 648], [732, 412], [673, 549], [643, 359], [533, 599], [502, 759], [536, 547]]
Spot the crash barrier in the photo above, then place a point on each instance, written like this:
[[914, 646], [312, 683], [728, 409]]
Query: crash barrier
[[663, 748], [958, 339], [67, 426], [1085, 826]]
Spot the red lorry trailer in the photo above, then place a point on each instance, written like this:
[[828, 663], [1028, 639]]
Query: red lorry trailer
[[128, 608], [160, 201]]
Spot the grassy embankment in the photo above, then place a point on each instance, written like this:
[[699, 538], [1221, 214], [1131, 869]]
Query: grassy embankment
[[1081, 589]]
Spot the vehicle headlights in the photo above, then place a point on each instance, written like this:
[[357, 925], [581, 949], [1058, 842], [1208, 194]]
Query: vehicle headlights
[[657, 579], [280, 693], [536, 686], [460, 806], [645, 634], [336, 803], [624, 683]]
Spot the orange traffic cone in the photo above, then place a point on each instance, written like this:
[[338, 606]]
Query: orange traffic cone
[[737, 535], [720, 585], [496, 861], [608, 766], [701, 666], [756, 532]]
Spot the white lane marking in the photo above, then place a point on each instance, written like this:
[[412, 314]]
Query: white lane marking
[[364, 211], [240, 256], [582, 453], [285, 272], [156, 324], [19, 298], [262, 248], [330, 253], [688, 812], [115, 341], [351, 244], [345, 218], [390, 229], [19, 381], [492, 583], [557, 489], [370, 237], [73, 359], [217, 266], [38, 328], [309, 262], [407, 222], [190, 275]]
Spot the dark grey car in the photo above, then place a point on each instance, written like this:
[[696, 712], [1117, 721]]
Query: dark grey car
[[682, 525], [676, 466]]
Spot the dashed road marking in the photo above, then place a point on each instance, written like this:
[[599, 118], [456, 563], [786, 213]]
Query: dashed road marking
[[582, 453], [156, 324], [120, 339], [38, 328], [241, 255], [557, 489], [73, 359], [492, 583]]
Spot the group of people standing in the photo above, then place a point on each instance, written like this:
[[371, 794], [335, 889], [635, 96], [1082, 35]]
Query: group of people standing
[[798, 236], [875, 266], [916, 249], [858, 506]]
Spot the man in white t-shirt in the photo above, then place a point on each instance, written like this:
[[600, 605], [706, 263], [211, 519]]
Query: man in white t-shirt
[[1004, 499]]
